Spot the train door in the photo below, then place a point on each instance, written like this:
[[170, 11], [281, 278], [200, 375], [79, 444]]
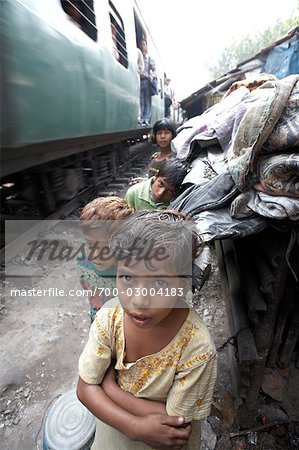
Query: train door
[[140, 33]]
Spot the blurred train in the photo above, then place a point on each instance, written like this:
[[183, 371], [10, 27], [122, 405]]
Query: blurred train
[[69, 107]]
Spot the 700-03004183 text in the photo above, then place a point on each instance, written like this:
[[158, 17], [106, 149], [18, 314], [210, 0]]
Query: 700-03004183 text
[[137, 291]]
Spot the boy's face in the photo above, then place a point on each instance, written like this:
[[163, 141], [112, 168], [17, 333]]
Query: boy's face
[[163, 138], [148, 296], [163, 191], [143, 45], [98, 251]]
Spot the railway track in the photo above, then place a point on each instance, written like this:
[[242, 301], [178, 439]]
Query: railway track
[[19, 229]]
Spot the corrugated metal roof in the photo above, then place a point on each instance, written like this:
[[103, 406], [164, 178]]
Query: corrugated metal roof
[[196, 102]]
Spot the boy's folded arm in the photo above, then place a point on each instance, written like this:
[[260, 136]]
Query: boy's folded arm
[[132, 404], [154, 429], [94, 398]]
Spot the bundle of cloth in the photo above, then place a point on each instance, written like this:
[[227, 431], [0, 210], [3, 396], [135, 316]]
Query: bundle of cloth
[[244, 155]]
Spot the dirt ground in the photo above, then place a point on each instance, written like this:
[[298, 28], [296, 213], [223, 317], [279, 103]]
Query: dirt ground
[[41, 339]]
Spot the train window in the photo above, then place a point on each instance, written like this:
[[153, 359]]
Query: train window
[[81, 13], [118, 36]]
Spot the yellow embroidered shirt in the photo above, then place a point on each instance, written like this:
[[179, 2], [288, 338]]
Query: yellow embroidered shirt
[[183, 374]]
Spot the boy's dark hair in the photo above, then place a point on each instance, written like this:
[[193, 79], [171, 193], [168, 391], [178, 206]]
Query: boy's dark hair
[[163, 124], [154, 229], [174, 170]]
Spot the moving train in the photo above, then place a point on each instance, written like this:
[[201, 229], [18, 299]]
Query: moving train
[[69, 106]]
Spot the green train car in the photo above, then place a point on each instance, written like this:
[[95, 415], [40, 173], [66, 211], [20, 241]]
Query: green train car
[[66, 100]]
